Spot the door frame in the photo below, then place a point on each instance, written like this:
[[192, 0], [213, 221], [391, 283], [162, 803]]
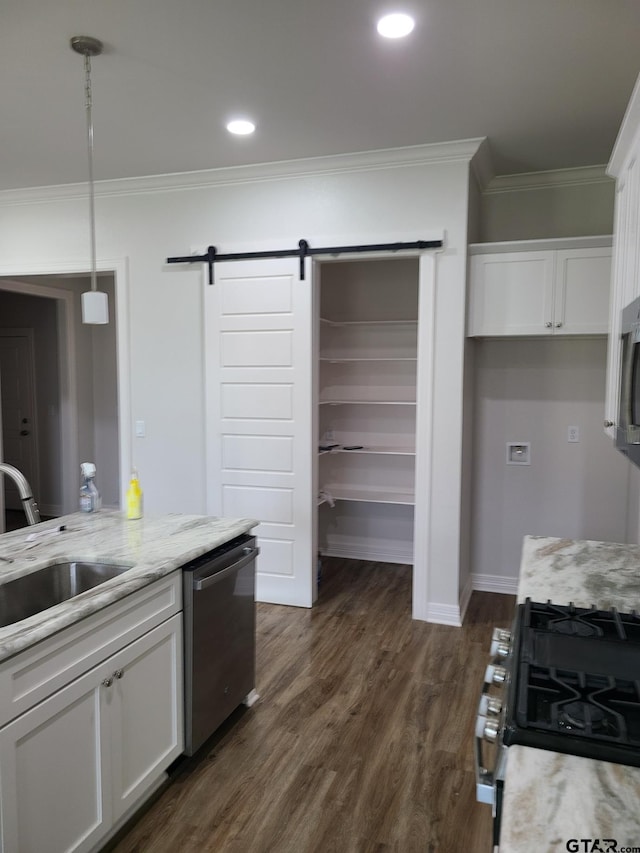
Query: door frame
[[70, 459], [27, 333]]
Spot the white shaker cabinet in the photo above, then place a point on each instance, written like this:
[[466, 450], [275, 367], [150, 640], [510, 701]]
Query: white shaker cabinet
[[74, 764], [625, 168], [552, 287]]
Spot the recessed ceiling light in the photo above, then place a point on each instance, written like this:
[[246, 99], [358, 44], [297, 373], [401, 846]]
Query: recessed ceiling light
[[395, 26], [241, 127]]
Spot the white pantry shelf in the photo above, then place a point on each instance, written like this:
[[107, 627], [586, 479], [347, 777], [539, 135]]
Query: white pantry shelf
[[378, 450], [367, 402], [367, 494], [368, 322]]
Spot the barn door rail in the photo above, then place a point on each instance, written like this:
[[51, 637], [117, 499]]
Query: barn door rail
[[303, 251]]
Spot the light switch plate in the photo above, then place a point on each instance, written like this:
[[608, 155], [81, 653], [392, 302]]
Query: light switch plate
[[140, 429]]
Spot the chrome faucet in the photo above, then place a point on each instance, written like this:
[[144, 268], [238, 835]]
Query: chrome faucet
[[28, 502]]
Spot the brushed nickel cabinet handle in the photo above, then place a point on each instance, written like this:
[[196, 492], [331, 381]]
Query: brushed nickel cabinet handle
[[548, 325], [107, 682], [609, 423], [118, 673]]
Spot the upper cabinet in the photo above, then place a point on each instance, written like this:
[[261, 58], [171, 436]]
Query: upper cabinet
[[533, 287], [625, 168]]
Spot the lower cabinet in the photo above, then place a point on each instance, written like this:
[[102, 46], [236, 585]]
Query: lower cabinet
[[74, 764]]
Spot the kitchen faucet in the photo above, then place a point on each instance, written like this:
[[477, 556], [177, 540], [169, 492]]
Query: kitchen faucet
[[28, 502]]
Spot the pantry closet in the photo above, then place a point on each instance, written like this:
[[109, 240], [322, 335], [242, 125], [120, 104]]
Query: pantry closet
[[368, 366]]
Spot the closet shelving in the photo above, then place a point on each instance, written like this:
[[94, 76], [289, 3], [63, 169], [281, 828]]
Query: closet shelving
[[367, 402]]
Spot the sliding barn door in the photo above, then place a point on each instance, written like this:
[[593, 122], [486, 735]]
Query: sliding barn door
[[259, 387]]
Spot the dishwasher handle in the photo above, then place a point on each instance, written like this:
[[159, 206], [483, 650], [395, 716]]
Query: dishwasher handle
[[249, 554]]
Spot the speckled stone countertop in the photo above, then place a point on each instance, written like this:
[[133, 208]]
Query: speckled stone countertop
[[550, 798], [153, 546]]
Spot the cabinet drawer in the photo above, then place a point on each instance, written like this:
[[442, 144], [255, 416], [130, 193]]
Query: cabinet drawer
[[36, 673]]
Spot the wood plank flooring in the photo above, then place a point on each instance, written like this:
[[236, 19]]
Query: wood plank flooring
[[361, 741]]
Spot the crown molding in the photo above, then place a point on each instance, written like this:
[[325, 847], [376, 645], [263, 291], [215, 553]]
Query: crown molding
[[546, 180], [482, 165], [629, 130], [460, 151]]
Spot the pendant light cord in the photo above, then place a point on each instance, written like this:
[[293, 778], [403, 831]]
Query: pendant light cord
[[92, 205]]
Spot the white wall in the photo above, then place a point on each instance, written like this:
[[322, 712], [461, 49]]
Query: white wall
[[328, 202], [533, 390], [572, 203]]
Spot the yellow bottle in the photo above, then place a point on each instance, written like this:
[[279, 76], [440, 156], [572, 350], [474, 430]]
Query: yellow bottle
[[134, 497]]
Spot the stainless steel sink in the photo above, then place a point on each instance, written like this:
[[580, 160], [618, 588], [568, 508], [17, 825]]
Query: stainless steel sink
[[40, 590]]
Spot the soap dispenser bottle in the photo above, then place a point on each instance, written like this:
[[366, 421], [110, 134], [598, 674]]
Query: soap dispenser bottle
[[89, 495], [134, 497]]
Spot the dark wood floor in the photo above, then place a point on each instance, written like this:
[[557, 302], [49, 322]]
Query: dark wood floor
[[361, 741]]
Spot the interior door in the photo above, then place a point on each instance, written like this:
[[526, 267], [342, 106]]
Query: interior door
[[259, 425], [17, 372]]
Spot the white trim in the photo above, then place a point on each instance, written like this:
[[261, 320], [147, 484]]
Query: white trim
[[68, 376], [414, 155], [495, 583], [444, 614], [579, 176], [482, 165], [551, 244], [465, 597], [629, 130], [424, 428]]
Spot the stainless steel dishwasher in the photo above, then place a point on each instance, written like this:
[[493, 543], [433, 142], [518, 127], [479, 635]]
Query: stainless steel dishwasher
[[219, 636]]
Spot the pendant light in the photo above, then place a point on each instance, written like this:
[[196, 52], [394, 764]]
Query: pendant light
[[95, 305]]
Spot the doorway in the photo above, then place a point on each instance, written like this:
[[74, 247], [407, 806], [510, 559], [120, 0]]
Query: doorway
[[81, 380]]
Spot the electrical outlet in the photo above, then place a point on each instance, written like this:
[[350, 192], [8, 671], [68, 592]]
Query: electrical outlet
[[573, 434]]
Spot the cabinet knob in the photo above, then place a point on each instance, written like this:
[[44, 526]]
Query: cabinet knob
[[548, 325], [558, 325], [107, 682], [609, 423], [118, 673]]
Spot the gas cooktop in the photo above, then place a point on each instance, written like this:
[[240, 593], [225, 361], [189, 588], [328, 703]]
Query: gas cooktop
[[575, 682]]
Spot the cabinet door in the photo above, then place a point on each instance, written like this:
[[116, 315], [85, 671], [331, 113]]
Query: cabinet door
[[511, 294], [582, 291], [53, 766], [144, 703]]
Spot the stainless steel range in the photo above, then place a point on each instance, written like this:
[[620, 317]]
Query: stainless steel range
[[566, 679]]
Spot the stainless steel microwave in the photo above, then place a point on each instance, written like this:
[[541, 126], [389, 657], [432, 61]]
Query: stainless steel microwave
[[628, 426]]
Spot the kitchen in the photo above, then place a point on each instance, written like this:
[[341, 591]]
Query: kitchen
[[343, 199]]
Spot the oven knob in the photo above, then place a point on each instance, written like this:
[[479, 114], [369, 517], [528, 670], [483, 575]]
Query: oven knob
[[494, 706], [490, 706], [499, 650], [490, 730], [495, 674], [501, 635]]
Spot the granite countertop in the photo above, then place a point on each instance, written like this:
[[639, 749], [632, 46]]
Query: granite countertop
[[153, 546], [550, 798]]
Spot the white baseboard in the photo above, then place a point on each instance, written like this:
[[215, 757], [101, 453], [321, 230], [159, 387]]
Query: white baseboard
[[495, 583], [444, 614], [372, 553]]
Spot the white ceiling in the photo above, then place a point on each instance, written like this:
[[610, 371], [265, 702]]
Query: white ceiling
[[547, 81]]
